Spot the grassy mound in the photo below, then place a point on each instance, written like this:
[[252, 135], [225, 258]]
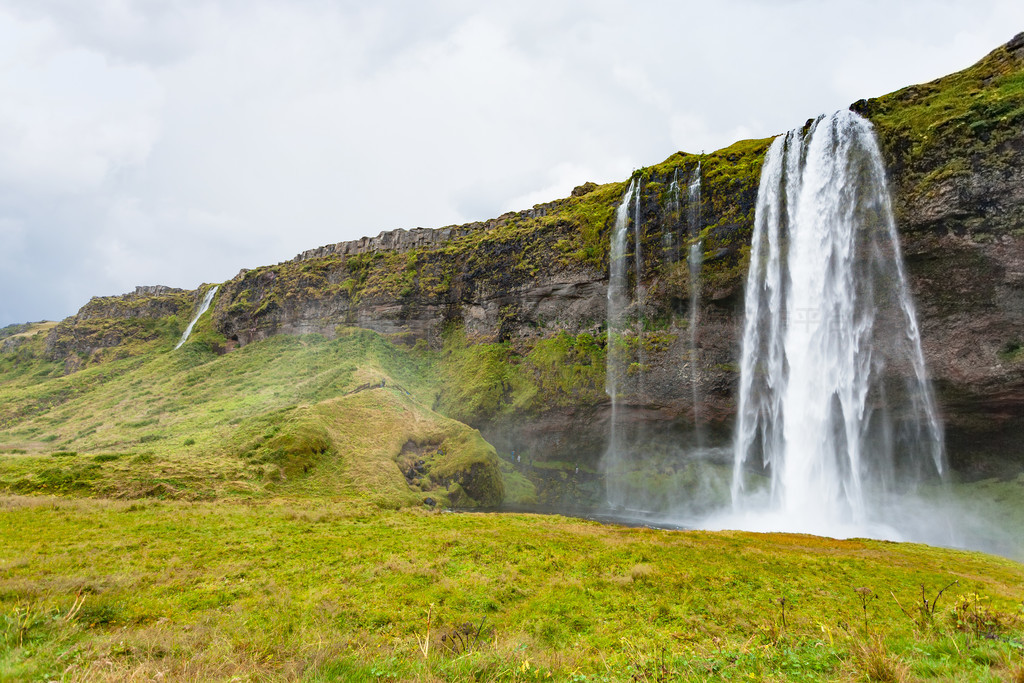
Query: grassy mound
[[347, 447]]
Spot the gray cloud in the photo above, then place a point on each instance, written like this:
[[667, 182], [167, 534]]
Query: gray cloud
[[151, 142]]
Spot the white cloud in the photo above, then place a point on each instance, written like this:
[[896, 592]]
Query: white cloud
[[70, 118], [147, 141]]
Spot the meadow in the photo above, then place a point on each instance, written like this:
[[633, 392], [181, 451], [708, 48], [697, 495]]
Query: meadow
[[344, 590]]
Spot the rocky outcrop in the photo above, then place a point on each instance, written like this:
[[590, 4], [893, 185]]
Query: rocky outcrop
[[154, 290], [146, 302], [114, 321], [402, 240]]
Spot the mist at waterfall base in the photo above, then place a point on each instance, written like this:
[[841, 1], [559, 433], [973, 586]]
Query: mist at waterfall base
[[837, 432]]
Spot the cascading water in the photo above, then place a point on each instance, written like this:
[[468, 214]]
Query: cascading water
[[618, 305], [640, 296], [669, 241], [646, 472], [834, 404], [695, 261], [202, 309]]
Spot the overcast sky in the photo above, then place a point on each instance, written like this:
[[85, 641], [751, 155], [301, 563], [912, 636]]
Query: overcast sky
[[177, 141]]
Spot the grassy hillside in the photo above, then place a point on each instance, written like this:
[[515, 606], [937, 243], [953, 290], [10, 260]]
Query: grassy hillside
[[117, 591], [288, 415], [284, 523]]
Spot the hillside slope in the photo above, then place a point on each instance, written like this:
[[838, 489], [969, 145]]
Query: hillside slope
[[287, 416]]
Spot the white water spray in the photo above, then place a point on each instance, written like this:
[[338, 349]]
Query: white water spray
[[207, 300], [834, 404]]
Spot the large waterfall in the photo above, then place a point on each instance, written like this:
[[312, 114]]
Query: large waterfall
[[836, 417], [207, 300]]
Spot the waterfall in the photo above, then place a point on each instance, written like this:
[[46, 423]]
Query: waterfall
[[615, 351], [834, 404], [640, 297], [695, 261], [202, 309], [669, 241]]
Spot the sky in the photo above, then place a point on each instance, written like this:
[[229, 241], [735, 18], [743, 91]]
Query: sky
[[177, 141]]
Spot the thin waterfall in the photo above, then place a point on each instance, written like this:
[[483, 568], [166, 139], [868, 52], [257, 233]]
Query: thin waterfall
[[669, 239], [615, 348], [202, 309], [834, 403], [695, 261], [640, 298]]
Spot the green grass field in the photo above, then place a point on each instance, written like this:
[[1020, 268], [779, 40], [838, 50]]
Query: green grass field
[[329, 590]]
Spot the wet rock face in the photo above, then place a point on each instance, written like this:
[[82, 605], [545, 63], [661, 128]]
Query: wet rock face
[[970, 298]]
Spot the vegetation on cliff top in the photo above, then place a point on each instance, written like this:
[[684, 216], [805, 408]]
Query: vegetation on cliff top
[[937, 134]]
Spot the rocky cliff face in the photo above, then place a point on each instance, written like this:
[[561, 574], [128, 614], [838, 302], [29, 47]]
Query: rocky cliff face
[[414, 283], [520, 277], [955, 155], [114, 321]]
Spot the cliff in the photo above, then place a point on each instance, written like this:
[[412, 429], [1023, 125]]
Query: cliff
[[515, 306], [954, 150], [116, 321]]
